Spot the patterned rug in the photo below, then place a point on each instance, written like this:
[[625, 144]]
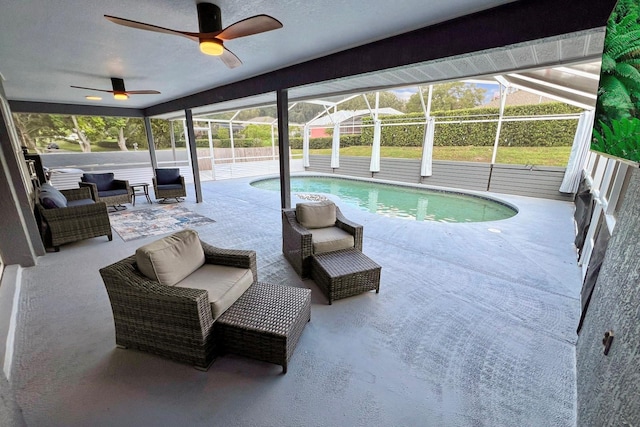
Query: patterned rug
[[139, 223]]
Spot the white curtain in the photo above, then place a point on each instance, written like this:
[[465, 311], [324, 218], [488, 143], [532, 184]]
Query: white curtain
[[335, 147], [579, 153], [305, 146], [427, 148], [375, 149]]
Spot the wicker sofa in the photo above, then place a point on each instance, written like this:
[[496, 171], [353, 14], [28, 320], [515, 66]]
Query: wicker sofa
[[70, 215], [174, 321], [299, 242], [105, 188]]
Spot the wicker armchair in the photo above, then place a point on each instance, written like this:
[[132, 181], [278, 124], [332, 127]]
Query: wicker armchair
[[105, 188], [75, 222], [297, 244], [169, 321], [169, 184]]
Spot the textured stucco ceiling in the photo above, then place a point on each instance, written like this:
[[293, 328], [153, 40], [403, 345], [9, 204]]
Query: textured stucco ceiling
[[47, 46]]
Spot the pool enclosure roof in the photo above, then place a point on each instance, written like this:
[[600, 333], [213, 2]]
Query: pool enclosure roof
[[325, 49]]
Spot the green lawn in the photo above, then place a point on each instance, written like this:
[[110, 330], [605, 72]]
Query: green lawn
[[541, 156]]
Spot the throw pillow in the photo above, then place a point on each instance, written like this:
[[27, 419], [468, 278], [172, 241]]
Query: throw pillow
[[317, 214], [172, 258], [51, 197]]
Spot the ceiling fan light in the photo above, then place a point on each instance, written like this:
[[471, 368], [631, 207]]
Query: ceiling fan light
[[211, 47], [120, 96]]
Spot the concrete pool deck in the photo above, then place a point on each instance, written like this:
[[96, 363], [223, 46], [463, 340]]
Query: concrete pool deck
[[474, 325]]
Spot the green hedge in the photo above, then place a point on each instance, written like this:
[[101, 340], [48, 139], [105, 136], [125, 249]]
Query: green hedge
[[325, 142], [548, 133]]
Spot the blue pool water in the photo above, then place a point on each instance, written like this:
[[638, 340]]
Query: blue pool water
[[400, 201]]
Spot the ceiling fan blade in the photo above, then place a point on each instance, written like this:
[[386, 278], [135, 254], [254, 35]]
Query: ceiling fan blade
[[142, 92], [230, 59], [149, 27], [246, 27], [92, 88]]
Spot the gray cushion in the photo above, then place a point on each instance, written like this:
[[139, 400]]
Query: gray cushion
[[80, 202], [317, 214], [171, 259], [224, 284], [330, 239], [111, 193], [51, 197]]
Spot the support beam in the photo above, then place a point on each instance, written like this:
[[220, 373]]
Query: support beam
[[475, 32], [193, 155], [150, 143], [283, 146]]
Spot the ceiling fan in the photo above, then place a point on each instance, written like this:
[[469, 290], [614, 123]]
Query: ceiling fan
[[119, 92], [212, 36]]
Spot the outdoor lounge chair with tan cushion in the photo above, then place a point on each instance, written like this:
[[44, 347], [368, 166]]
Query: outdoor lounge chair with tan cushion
[[166, 297], [316, 227]]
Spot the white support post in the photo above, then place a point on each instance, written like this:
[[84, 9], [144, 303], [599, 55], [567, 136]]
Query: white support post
[[335, 146], [375, 148], [377, 136], [305, 145], [186, 143], [503, 101], [211, 152], [273, 142], [173, 140], [426, 164]]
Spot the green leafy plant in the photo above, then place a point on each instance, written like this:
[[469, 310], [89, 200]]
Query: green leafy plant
[[620, 139], [619, 90]]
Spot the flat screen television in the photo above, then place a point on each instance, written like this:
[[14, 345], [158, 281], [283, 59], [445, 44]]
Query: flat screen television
[[616, 130]]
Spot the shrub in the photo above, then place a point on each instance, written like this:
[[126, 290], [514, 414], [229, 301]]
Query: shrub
[[549, 133]]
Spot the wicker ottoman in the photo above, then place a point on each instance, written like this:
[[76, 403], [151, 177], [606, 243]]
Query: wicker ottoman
[[345, 273], [265, 323]]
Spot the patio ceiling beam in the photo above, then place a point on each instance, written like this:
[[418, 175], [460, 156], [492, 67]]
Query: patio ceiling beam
[[536, 19], [73, 109]]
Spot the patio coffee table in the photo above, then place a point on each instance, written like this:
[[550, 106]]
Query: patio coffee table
[[139, 189], [265, 323], [344, 273]]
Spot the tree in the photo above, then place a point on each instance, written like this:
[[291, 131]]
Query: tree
[[448, 96], [33, 126], [262, 132], [161, 130]]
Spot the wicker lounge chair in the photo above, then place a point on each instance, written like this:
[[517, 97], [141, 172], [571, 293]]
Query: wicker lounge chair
[[105, 188], [169, 184], [298, 242], [78, 218], [170, 321]]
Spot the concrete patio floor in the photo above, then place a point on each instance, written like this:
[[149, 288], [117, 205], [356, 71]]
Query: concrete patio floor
[[472, 327]]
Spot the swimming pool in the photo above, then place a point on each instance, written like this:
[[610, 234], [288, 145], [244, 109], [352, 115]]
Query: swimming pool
[[400, 201]]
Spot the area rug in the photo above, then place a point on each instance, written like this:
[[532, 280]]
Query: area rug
[[139, 223]]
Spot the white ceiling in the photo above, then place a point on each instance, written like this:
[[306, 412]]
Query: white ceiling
[[47, 46]]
